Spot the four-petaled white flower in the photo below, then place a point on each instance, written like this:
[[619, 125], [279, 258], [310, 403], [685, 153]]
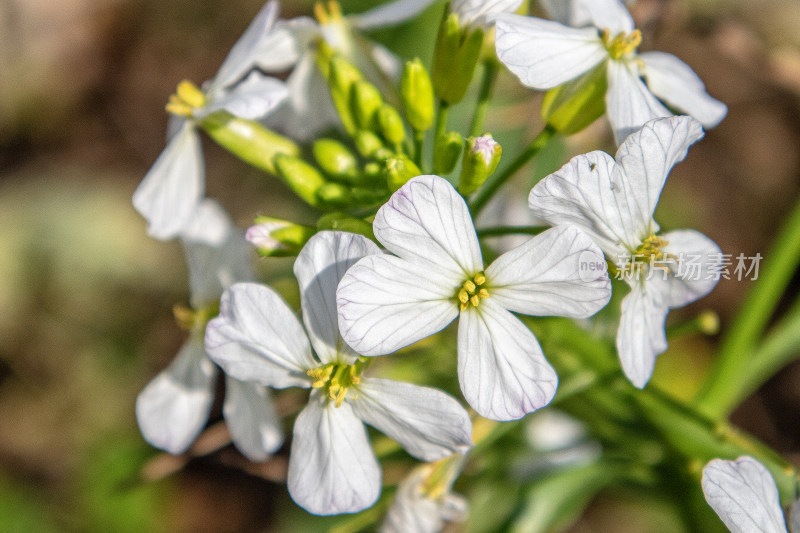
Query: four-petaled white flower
[[173, 408], [174, 186], [744, 495], [387, 302], [424, 501], [545, 54], [258, 338], [614, 202]]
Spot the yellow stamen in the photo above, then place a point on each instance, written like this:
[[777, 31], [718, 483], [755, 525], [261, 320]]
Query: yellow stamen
[[335, 10], [337, 379], [320, 14], [184, 316], [479, 278], [469, 286], [621, 44], [472, 291], [463, 296], [186, 99]]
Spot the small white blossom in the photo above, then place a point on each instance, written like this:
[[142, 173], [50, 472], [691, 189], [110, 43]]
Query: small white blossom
[[387, 302], [174, 407], [613, 201], [481, 13], [174, 186], [257, 338], [744, 495], [545, 54], [424, 501]]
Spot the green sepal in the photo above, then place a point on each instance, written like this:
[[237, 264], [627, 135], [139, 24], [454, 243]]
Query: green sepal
[[248, 140], [366, 101], [344, 222], [571, 107], [304, 179], [455, 58], [336, 160], [289, 237], [399, 170], [416, 90], [446, 152], [475, 169], [391, 125]]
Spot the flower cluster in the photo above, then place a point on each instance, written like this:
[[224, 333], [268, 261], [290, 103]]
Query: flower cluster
[[395, 257]]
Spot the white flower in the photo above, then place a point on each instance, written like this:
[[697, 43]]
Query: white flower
[[173, 408], [424, 502], [257, 338], [614, 202], [387, 302], [744, 495], [174, 186], [545, 54]]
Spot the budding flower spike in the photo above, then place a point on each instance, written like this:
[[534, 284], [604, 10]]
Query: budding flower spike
[[614, 201], [174, 407], [175, 185], [257, 338], [744, 495], [545, 54], [387, 302]]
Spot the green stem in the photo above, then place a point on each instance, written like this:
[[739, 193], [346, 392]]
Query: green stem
[[510, 230], [490, 70], [419, 140], [494, 183], [441, 120], [731, 373]]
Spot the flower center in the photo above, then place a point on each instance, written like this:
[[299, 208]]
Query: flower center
[[472, 291], [621, 44], [648, 254], [186, 99], [338, 378]]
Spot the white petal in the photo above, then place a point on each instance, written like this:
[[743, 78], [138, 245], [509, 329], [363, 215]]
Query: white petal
[[251, 419], [386, 303], [210, 225], [501, 367], [589, 192], [546, 276], [413, 510], [212, 269], [285, 43], [242, 56], [674, 82], [332, 469], [647, 156], [544, 54], [641, 336], [428, 423], [426, 221], [251, 99], [744, 495], [319, 267], [257, 338], [479, 12], [389, 14], [611, 15], [794, 517], [173, 187], [173, 408], [629, 103], [694, 276]]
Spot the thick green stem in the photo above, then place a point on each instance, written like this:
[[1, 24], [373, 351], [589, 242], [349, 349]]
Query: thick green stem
[[490, 70], [731, 374], [419, 140], [441, 120], [494, 183]]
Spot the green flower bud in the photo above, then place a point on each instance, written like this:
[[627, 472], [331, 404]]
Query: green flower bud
[[416, 89], [446, 152], [455, 58], [336, 160], [368, 143], [571, 107], [343, 222], [342, 78], [334, 195], [274, 237], [301, 177], [481, 157], [367, 100], [399, 170], [248, 140], [391, 125]]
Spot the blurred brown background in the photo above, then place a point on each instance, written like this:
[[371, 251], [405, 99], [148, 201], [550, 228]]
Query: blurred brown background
[[86, 297]]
